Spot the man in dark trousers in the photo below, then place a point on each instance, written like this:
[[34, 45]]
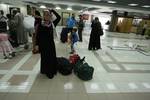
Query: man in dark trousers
[[80, 27]]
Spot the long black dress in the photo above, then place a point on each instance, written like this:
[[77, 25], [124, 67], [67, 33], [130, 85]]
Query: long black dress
[[94, 43], [47, 49]]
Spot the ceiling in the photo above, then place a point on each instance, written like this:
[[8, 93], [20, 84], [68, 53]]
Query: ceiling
[[90, 5]]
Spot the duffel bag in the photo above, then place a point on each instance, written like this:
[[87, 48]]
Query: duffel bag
[[85, 72], [78, 64], [64, 66]]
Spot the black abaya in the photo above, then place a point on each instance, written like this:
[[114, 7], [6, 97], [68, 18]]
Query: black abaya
[[94, 42], [47, 49]]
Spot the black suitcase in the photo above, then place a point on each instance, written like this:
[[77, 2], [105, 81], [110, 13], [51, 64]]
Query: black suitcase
[[64, 35]]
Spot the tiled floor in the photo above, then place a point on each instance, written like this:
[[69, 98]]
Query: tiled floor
[[118, 75]]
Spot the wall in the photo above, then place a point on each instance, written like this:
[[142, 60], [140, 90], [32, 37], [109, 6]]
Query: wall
[[5, 8]]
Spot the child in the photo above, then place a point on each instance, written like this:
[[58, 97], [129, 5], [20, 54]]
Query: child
[[5, 46], [74, 39]]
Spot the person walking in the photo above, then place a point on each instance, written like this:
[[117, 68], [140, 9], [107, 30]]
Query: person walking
[[80, 27], [71, 22], [22, 37]]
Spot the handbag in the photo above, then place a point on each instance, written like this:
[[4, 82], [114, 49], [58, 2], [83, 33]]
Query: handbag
[[101, 32]]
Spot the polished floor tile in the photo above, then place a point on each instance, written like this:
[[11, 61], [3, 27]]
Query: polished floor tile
[[1, 75], [97, 96], [58, 96], [37, 96], [118, 74], [79, 96], [15, 96], [18, 79], [29, 65]]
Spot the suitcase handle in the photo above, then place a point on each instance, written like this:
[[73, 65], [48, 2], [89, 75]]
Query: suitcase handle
[[83, 59]]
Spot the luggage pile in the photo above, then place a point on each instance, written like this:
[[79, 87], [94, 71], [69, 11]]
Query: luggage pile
[[79, 66]]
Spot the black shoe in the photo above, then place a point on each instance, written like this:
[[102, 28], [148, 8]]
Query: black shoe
[[26, 47], [5, 57], [55, 73], [42, 72], [89, 49], [50, 76], [12, 54], [71, 52]]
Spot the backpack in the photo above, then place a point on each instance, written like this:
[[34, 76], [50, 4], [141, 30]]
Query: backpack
[[83, 70], [64, 66]]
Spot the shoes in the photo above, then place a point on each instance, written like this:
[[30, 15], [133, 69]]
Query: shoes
[[26, 47], [50, 76], [89, 49], [55, 72], [94, 48], [72, 52], [42, 72], [35, 51], [13, 54], [5, 57]]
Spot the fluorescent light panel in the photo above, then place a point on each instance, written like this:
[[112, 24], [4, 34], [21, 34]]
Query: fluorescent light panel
[[111, 1], [42, 6], [96, 0], [133, 4], [69, 8], [146, 6], [57, 8]]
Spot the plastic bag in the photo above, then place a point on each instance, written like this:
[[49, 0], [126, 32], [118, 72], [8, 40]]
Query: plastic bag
[[29, 22]]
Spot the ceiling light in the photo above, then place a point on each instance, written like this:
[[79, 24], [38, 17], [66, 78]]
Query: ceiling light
[[96, 0], [111, 1], [133, 4], [58, 8], [69, 8], [42, 6], [146, 6]]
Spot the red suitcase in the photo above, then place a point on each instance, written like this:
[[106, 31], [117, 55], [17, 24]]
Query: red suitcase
[[74, 58]]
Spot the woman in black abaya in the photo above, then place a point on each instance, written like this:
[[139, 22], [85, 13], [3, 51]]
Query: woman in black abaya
[[46, 44], [94, 43]]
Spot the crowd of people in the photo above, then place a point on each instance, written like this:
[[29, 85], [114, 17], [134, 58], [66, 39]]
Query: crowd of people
[[43, 37]]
